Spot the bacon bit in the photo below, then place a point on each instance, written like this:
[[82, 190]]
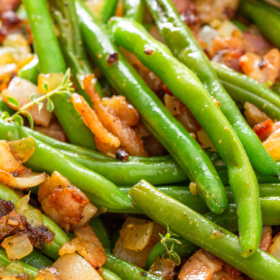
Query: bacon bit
[[201, 265], [124, 110], [37, 235], [138, 258], [112, 58], [255, 44], [5, 207], [87, 245], [262, 70], [109, 119], [266, 239], [63, 202], [263, 129], [163, 268], [11, 23], [148, 51], [92, 121], [253, 115], [7, 5]]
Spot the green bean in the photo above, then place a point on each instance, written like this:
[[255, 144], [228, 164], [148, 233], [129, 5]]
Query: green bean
[[228, 220], [258, 11], [70, 40], [161, 123], [51, 61], [108, 10], [203, 233], [184, 46], [134, 9], [109, 275], [132, 36], [239, 24], [30, 71], [126, 270], [104, 192], [101, 233], [244, 89], [37, 259], [28, 269]]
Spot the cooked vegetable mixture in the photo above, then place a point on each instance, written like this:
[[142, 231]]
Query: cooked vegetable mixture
[[139, 139]]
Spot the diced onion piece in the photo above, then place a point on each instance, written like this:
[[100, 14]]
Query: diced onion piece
[[13, 271], [74, 267], [23, 149], [205, 140], [53, 80], [17, 246], [21, 90], [27, 179], [88, 212], [274, 250], [136, 237], [163, 268], [6, 56], [228, 29], [48, 273], [208, 34], [8, 162], [253, 114]]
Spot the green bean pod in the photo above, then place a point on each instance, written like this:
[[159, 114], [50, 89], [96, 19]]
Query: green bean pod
[[103, 191], [70, 40], [108, 10], [134, 9], [28, 269], [30, 71], [258, 11], [101, 233], [159, 121], [51, 61], [132, 36], [126, 270], [184, 46], [244, 89], [109, 275], [37, 259], [203, 233]]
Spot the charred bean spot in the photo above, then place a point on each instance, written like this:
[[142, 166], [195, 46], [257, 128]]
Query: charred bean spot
[[143, 273], [112, 58], [122, 155], [148, 51]]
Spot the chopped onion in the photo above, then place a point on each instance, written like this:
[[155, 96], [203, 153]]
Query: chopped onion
[[205, 140], [25, 180], [88, 212], [23, 149], [136, 237], [228, 29], [13, 269], [53, 80], [163, 268], [74, 267], [274, 250], [17, 246], [33, 216], [208, 34]]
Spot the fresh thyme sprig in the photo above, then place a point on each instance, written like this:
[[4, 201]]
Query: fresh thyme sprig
[[64, 89], [169, 241]]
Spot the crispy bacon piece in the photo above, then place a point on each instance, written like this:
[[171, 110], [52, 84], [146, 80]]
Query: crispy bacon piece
[[163, 268], [93, 122], [201, 266], [263, 129], [63, 202], [264, 69], [266, 239], [256, 44], [125, 111], [13, 223], [113, 122], [87, 245]]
